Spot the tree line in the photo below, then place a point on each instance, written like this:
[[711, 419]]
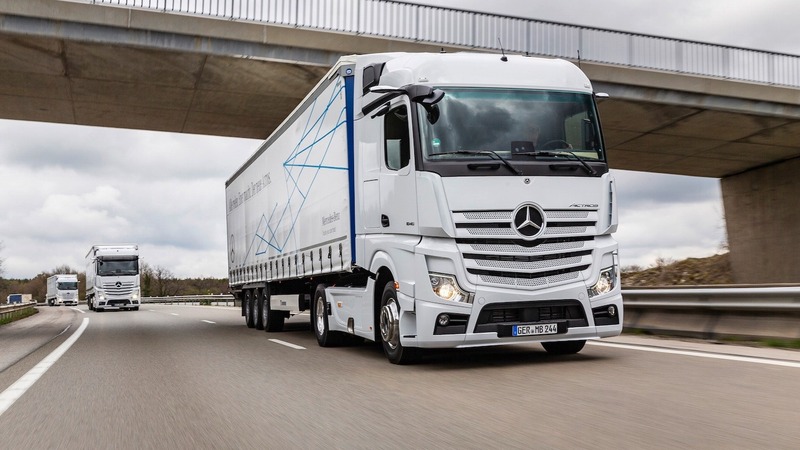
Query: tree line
[[155, 282]]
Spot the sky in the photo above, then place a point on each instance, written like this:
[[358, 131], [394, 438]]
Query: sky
[[66, 187]]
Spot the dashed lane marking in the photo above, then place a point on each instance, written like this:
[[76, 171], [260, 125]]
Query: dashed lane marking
[[288, 344]]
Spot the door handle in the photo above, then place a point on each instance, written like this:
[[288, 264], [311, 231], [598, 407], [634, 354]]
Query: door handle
[[384, 220]]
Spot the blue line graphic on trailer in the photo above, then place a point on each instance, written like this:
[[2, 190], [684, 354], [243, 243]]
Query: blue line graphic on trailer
[[301, 168]]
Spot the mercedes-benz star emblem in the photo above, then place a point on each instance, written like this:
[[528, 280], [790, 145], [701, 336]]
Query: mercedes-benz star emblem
[[118, 284], [528, 221]]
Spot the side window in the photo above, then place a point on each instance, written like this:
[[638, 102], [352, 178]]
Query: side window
[[397, 142]]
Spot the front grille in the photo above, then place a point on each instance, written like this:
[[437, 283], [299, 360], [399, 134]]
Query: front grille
[[125, 288], [495, 254]]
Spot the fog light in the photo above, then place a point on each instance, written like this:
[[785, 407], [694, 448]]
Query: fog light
[[443, 320], [612, 310]]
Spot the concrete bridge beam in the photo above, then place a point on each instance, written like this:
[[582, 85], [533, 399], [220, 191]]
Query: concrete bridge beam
[[763, 223]]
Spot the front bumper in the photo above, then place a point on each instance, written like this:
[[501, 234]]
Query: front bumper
[[118, 304], [488, 321]]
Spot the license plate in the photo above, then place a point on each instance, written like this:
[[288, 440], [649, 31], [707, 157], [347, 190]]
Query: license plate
[[534, 330]]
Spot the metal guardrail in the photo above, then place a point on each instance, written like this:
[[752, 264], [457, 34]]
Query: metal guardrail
[[715, 312], [11, 310], [215, 299], [438, 25], [716, 298]]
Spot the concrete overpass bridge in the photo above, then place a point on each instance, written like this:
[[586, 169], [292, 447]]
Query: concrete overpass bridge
[[238, 67]]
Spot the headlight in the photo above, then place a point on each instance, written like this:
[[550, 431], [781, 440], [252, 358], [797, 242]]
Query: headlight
[[605, 283], [101, 296], [135, 295], [446, 288]]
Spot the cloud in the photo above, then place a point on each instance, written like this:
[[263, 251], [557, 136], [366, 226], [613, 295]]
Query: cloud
[[668, 216], [67, 187]]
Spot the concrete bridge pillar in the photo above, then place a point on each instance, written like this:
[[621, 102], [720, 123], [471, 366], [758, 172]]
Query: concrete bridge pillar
[[762, 215]]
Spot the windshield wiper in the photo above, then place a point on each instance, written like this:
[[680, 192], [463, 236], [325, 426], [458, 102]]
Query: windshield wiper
[[561, 153], [481, 152]]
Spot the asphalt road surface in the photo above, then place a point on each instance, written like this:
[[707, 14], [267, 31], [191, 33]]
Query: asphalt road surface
[[192, 377]]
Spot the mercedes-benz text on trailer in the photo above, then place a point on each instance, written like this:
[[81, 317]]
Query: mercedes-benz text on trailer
[[112, 277], [62, 290], [432, 200]]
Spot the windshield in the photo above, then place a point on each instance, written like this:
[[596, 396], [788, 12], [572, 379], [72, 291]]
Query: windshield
[[514, 124], [67, 285], [118, 267]]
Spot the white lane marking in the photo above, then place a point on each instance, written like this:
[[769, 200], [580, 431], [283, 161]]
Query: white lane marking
[[750, 359], [16, 390], [152, 310], [76, 309], [288, 344], [208, 321], [175, 314]]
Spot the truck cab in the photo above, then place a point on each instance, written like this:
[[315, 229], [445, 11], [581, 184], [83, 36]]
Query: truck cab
[[112, 278]]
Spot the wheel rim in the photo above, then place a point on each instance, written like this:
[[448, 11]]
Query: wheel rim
[[389, 324], [319, 311]]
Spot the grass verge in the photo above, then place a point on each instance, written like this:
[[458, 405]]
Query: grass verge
[[18, 315]]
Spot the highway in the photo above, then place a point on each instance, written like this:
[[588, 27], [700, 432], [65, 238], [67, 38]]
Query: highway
[[180, 377]]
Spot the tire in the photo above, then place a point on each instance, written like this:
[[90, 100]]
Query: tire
[[258, 308], [319, 320], [389, 327], [249, 320], [135, 308], [563, 347], [272, 320], [90, 304]]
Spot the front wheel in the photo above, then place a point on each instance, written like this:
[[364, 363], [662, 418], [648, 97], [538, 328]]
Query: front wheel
[[563, 347], [389, 319]]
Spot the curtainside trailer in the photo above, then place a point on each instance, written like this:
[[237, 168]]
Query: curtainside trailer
[[432, 201]]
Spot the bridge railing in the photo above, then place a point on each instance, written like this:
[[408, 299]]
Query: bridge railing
[[456, 27]]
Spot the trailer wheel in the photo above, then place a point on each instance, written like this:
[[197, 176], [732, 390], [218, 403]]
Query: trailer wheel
[[390, 329], [258, 308], [248, 309], [563, 347], [272, 320], [319, 320], [90, 304]]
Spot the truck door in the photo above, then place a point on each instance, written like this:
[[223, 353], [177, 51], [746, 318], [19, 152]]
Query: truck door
[[398, 202]]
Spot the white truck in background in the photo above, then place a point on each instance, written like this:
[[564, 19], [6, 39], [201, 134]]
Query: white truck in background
[[112, 277], [432, 200], [62, 289]]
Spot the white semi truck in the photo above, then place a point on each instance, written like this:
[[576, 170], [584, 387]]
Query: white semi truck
[[112, 277], [432, 200], [62, 289]]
